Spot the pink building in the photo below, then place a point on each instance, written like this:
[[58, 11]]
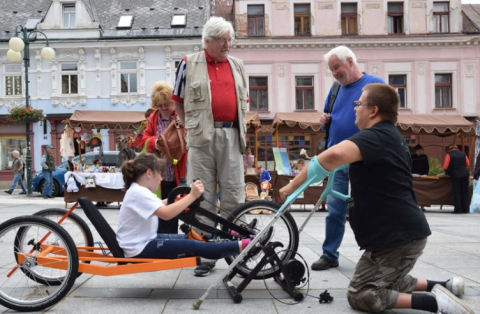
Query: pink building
[[428, 50]]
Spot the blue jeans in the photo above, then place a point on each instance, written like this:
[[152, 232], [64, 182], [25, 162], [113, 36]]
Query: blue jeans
[[48, 185], [337, 217], [17, 178], [178, 245]]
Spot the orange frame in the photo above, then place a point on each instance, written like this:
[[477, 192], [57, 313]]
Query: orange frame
[[91, 254]]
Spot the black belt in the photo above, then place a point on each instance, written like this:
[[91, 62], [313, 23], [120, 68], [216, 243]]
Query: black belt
[[221, 124]]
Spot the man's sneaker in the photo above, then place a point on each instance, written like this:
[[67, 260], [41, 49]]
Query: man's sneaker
[[204, 269], [8, 191], [448, 303], [456, 285], [324, 263]]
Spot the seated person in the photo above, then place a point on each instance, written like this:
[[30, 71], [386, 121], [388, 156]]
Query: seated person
[[248, 161], [265, 179], [138, 221]]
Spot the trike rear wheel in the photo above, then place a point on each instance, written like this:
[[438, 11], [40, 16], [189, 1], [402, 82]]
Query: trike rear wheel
[[42, 247]]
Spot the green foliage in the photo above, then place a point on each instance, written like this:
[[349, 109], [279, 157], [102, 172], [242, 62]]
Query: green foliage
[[435, 167], [20, 114]]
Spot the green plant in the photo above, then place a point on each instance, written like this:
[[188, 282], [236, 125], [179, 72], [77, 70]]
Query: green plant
[[20, 114], [435, 167]]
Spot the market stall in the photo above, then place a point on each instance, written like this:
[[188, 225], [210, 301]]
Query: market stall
[[296, 122], [437, 190], [429, 190], [109, 186]]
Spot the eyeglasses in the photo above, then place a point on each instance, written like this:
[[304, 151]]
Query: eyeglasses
[[358, 103], [223, 40]]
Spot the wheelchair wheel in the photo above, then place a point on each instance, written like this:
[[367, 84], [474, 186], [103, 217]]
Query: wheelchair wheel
[[285, 231], [24, 293], [76, 227]]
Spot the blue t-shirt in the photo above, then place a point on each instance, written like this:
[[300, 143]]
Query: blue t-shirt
[[342, 123]]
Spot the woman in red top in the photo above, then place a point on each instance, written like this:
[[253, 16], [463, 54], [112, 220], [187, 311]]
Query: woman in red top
[[158, 122]]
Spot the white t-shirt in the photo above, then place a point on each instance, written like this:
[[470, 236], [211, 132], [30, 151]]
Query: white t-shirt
[[137, 224]]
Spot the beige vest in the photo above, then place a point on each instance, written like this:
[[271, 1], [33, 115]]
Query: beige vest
[[197, 100]]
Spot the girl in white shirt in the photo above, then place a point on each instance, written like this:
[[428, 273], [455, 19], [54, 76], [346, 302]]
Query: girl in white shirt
[[138, 222]]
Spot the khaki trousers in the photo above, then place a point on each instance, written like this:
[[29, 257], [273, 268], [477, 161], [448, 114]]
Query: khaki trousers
[[220, 160]]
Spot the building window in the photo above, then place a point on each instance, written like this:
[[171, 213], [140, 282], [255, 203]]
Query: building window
[[256, 20], [128, 77], [441, 17], [13, 80], [395, 17], [69, 78], [443, 90], [304, 93], [69, 16], [258, 93], [302, 19], [400, 84], [349, 19]]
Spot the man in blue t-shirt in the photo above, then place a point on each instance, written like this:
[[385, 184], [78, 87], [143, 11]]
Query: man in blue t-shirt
[[384, 215], [341, 122]]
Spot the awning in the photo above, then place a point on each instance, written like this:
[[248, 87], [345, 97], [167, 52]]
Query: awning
[[252, 118], [97, 119], [434, 124], [304, 120]]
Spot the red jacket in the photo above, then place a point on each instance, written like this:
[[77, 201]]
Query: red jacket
[[149, 136]]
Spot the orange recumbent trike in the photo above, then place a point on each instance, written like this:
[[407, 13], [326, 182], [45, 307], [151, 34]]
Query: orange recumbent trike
[[54, 246]]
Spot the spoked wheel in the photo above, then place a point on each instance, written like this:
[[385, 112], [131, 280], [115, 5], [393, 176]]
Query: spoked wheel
[[285, 231], [22, 292], [76, 228]]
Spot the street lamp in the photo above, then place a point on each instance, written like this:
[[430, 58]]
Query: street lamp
[[18, 44]]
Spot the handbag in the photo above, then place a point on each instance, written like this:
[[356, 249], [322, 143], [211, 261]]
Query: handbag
[[172, 141], [90, 182]]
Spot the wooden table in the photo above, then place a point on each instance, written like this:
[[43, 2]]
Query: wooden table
[[99, 193]]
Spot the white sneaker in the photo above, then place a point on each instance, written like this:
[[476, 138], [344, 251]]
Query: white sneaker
[[449, 303], [456, 285]]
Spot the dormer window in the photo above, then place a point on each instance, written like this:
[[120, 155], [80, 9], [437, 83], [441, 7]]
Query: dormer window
[[69, 16], [32, 23], [179, 20], [125, 22]]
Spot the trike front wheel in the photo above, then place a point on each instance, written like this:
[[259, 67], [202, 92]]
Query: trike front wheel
[[285, 231]]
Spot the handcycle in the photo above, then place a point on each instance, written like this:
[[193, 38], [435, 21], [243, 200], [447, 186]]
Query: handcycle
[[47, 257]]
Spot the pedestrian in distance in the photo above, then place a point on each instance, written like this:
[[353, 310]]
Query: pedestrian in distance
[[17, 168], [48, 167]]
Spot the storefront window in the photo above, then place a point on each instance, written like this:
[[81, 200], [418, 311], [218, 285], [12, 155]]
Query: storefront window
[[7, 146]]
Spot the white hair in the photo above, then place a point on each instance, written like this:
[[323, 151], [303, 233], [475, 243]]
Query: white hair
[[342, 53], [216, 27], [16, 152]]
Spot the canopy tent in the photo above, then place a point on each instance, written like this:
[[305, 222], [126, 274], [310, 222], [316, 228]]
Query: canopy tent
[[98, 119], [435, 124], [302, 120]]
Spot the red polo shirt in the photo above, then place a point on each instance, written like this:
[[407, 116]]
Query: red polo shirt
[[222, 87]]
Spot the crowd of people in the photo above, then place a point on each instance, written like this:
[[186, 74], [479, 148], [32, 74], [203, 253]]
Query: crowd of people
[[209, 99]]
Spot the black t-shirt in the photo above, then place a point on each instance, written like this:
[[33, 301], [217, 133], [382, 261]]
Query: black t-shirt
[[385, 212]]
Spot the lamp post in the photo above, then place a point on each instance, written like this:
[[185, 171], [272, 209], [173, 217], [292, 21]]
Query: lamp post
[[17, 44]]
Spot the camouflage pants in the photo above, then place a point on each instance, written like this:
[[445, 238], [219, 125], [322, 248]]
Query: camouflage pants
[[381, 275]]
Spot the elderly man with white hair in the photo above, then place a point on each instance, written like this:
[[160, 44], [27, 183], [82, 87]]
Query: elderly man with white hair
[[210, 97], [17, 168]]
